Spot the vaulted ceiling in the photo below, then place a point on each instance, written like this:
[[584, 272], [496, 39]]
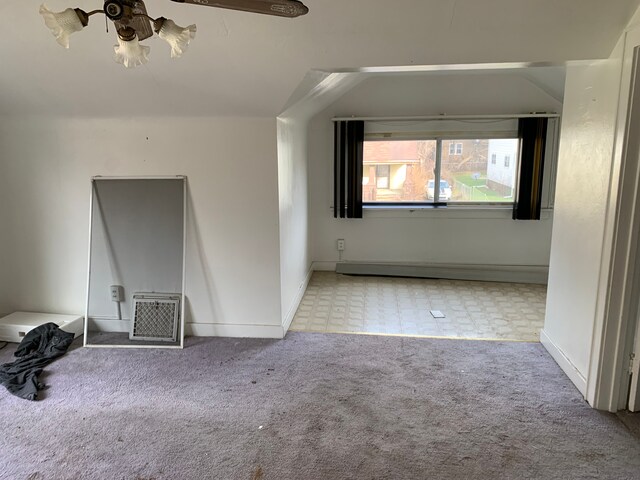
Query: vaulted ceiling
[[249, 64]]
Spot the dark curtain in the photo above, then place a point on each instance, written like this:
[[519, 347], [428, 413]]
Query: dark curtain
[[533, 134], [347, 167]]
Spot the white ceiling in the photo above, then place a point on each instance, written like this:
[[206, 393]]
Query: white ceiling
[[523, 88], [247, 64]]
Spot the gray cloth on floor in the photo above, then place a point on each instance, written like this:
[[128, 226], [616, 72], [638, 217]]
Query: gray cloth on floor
[[38, 348]]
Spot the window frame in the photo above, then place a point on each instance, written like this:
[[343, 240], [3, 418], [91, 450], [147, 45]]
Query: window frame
[[436, 203], [404, 127]]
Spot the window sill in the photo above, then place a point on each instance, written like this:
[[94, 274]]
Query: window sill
[[446, 212]]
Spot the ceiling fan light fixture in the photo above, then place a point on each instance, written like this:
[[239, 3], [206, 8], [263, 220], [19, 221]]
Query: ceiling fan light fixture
[[62, 24], [130, 53], [133, 24], [177, 37]]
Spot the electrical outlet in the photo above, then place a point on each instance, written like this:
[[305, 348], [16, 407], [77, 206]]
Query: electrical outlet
[[340, 244], [117, 293]]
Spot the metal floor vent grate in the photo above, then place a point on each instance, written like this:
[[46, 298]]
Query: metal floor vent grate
[[155, 317]]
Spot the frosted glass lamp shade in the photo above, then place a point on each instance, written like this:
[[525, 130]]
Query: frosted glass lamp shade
[[61, 24], [177, 37], [131, 53]]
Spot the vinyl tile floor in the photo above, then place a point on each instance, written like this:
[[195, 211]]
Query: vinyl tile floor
[[335, 303]]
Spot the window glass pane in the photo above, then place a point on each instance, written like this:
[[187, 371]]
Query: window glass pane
[[472, 170], [397, 170], [475, 175]]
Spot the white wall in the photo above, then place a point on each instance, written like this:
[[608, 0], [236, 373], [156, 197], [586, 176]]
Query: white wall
[[316, 91], [582, 195], [427, 236], [295, 262], [6, 273], [232, 283]]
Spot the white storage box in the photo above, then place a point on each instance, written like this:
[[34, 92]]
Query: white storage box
[[15, 326]]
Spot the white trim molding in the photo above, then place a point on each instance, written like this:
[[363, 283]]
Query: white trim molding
[[564, 363], [236, 331], [108, 324]]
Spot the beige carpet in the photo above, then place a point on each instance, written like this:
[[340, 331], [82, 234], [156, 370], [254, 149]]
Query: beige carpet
[[312, 406]]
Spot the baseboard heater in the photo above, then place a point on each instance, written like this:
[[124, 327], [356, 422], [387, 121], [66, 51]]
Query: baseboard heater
[[487, 273]]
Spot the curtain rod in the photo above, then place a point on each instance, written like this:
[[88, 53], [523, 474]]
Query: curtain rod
[[449, 117]]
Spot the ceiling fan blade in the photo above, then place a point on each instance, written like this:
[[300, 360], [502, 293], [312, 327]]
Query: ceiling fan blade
[[280, 8]]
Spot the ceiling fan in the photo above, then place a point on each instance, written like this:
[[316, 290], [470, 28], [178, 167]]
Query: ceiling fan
[[133, 24], [280, 8]]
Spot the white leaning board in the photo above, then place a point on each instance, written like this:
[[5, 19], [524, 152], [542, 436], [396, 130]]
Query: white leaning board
[[15, 326]]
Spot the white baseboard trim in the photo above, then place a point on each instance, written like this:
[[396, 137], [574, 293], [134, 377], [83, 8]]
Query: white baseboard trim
[[565, 364], [286, 323], [236, 331], [106, 324], [489, 273]]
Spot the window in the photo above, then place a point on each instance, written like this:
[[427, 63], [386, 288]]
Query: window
[[455, 148], [406, 163], [404, 171]]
